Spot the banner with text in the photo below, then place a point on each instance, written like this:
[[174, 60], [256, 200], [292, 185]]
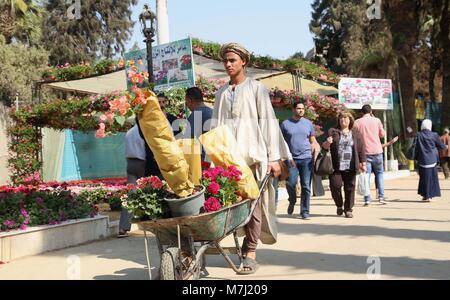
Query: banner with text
[[173, 64], [356, 92]]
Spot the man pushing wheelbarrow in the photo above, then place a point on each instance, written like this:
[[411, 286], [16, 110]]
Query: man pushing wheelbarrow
[[245, 133]]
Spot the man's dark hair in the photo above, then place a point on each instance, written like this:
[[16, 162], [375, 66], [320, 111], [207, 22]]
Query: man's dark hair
[[195, 94], [161, 95], [294, 105], [366, 109]]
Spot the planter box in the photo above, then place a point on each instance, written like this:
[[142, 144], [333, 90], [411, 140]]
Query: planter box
[[39, 239]]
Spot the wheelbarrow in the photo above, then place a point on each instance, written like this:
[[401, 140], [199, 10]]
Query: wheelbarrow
[[183, 242]]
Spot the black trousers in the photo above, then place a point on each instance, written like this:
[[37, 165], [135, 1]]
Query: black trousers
[[349, 180]]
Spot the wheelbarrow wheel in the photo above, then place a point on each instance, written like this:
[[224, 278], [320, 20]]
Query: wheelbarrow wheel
[[170, 267]]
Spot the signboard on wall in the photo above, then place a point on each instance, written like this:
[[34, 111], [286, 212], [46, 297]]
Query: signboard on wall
[[356, 92], [173, 64]]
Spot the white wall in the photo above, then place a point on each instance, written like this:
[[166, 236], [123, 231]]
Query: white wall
[[4, 173]]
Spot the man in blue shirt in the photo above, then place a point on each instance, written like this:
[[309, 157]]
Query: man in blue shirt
[[299, 135], [200, 117]]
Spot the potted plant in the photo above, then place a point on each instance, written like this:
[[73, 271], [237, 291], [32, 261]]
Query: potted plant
[[145, 202], [187, 206]]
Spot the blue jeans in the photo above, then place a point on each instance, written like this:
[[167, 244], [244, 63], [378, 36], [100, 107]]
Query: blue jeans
[[275, 186], [304, 169], [375, 164]]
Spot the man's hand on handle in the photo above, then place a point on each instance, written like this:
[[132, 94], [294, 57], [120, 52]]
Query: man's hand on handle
[[275, 168]]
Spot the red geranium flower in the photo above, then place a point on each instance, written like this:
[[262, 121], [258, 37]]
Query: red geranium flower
[[212, 204], [213, 188]]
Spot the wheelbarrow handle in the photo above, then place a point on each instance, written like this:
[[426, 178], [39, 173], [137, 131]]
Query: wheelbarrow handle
[[264, 182]]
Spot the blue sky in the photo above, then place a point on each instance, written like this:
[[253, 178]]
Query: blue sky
[[262, 26]]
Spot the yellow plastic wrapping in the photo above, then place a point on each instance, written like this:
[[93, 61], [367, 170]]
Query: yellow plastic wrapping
[[192, 150], [169, 156], [222, 148]]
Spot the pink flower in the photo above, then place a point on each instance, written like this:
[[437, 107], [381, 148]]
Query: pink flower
[[217, 171], [212, 204], [156, 183], [100, 133], [208, 174], [109, 117], [213, 188]]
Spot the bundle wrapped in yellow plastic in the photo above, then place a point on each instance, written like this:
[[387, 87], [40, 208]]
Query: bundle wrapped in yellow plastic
[[192, 149], [169, 156], [222, 148]]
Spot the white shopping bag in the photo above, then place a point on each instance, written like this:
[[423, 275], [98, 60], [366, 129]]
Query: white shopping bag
[[363, 184]]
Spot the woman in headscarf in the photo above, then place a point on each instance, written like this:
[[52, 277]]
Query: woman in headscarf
[[427, 154]]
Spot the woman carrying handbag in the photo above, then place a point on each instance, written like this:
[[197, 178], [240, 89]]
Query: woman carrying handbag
[[348, 157]]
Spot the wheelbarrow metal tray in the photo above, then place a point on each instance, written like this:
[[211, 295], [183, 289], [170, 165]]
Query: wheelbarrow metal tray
[[204, 227]]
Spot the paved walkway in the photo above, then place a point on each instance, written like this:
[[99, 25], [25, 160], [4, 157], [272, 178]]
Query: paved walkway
[[409, 239]]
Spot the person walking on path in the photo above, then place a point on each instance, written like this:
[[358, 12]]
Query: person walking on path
[[445, 154], [371, 130], [243, 105], [135, 154], [299, 135], [427, 144], [348, 156]]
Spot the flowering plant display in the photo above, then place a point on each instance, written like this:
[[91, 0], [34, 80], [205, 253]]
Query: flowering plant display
[[221, 187], [83, 70], [209, 86], [37, 203], [146, 201], [31, 206]]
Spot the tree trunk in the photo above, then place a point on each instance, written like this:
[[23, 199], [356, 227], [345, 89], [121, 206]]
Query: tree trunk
[[403, 21], [445, 27], [406, 79]]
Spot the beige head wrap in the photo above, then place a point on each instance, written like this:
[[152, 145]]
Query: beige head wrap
[[237, 49]]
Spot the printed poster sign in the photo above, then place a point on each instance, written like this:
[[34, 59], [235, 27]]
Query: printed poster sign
[[172, 65], [356, 92]]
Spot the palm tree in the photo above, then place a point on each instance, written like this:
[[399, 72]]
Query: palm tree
[[19, 4], [20, 19]]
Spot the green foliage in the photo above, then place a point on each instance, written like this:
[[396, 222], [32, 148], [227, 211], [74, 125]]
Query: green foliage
[[97, 196], [20, 66], [24, 147], [75, 72], [68, 72], [176, 97], [20, 20], [105, 66], [103, 29]]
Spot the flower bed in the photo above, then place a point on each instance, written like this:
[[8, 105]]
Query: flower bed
[[52, 203]]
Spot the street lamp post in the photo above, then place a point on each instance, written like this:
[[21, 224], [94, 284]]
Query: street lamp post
[[147, 19]]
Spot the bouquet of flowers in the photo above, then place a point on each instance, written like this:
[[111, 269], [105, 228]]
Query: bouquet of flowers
[[221, 187]]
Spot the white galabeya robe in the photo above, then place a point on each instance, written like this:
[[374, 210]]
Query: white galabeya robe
[[249, 114]]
